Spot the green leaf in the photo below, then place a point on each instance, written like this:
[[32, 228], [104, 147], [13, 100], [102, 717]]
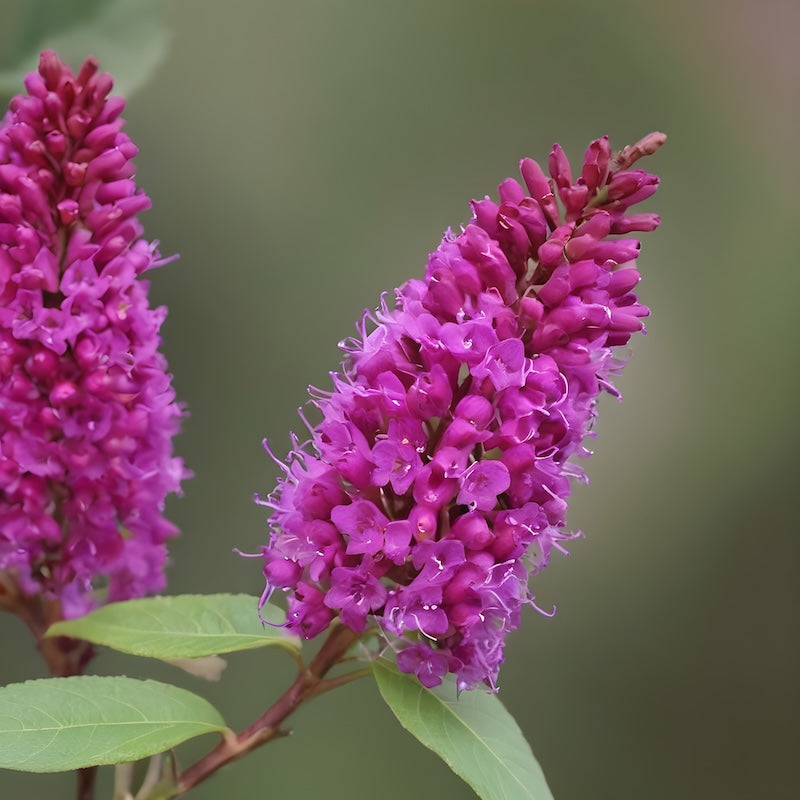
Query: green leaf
[[58, 724], [474, 734], [128, 38], [185, 626]]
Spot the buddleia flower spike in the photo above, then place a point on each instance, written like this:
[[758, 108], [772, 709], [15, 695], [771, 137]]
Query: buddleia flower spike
[[434, 484], [87, 410]]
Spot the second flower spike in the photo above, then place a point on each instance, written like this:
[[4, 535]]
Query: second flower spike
[[87, 410]]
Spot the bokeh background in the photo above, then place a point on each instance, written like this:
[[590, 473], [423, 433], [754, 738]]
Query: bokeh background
[[304, 157]]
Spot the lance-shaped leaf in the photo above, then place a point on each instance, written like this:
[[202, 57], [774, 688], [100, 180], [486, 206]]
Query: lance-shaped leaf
[[473, 734], [185, 626], [58, 724]]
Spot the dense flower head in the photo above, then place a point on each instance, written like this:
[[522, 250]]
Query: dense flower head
[[435, 483], [87, 411]]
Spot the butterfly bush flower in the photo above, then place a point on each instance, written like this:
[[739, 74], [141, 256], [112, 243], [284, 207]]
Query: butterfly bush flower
[[87, 412], [435, 483]]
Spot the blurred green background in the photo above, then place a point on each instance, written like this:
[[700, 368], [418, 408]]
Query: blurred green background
[[304, 157]]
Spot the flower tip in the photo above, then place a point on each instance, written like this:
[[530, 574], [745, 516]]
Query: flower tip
[[50, 63], [652, 142], [646, 146]]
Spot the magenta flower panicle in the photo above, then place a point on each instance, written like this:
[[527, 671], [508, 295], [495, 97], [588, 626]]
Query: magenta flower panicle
[[435, 484], [87, 411]]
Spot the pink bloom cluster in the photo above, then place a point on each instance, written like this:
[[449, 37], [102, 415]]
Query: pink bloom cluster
[[435, 484], [87, 411]]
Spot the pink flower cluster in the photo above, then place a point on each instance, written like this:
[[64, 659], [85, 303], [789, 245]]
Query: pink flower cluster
[[436, 482], [87, 411]]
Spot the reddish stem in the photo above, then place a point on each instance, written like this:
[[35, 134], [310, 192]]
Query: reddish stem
[[64, 656], [86, 782], [308, 683]]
